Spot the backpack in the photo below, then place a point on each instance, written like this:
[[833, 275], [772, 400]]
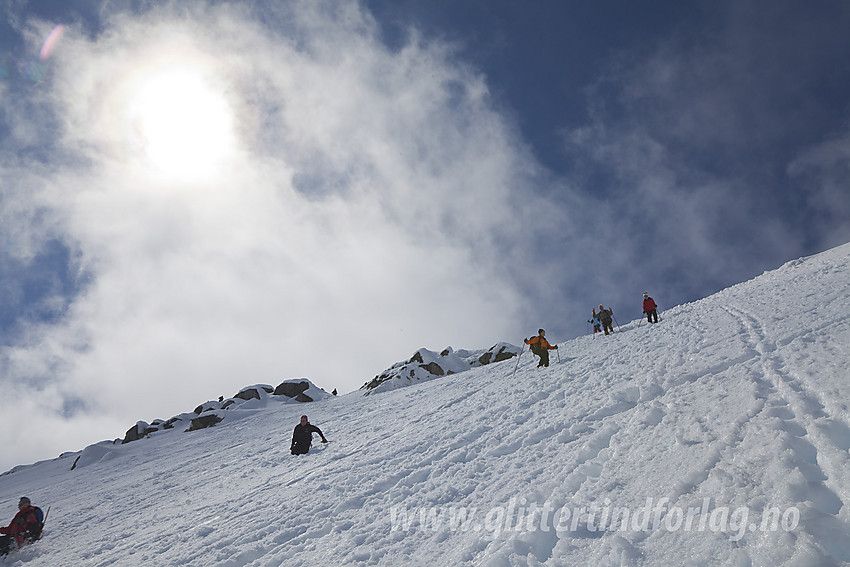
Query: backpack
[[34, 533]]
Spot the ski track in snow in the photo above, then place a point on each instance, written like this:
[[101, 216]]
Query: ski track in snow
[[741, 398]]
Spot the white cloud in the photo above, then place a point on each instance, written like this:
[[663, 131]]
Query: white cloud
[[824, 172], [360, 213]]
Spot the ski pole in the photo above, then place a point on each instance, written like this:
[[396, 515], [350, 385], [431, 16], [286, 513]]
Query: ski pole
[[559, 354], [43, 521], [517, 359], [615, 320]]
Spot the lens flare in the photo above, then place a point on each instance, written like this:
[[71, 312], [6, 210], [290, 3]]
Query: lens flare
[[51, 42]]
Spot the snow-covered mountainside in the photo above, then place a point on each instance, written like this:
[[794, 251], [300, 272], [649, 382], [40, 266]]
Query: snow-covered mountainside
[[246, 402], [718, 436]]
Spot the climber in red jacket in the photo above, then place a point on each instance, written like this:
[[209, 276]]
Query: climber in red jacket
[[25, 527], [650, 308]]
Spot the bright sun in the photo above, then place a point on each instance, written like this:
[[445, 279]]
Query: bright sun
[[182, 123]]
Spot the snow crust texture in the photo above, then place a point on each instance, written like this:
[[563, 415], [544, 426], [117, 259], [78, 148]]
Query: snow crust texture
[[716, 437]]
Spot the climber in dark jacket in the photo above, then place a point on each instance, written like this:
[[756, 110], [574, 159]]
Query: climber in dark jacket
[[302, 437], [605, 316]]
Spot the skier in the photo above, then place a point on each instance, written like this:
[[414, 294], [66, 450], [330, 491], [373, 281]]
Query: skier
[[302, 437], [650, 308], [541, 347], [605, 316], [25, 527]]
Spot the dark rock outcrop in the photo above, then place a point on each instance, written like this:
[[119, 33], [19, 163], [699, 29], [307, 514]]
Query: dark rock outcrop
[[291, 389], [204, 421], [249, 394], [138, 431], [433, 368], [170, 423], [490, 356]]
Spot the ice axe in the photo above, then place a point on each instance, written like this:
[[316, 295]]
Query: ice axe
[[517, 359]]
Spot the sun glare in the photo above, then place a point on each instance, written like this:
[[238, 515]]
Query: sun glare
[[183, 125]]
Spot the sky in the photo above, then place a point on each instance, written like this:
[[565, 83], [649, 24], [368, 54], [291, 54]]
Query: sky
[[197, 196]]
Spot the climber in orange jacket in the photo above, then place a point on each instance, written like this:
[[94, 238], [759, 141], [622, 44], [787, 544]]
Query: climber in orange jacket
[[541, 347]]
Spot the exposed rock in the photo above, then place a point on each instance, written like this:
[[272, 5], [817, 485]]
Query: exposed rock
[[291, 389], [170, 423], [210, 406], [204, 421], [493, 355], [433, 368], [377, 381], [138, 431], [249, 394]]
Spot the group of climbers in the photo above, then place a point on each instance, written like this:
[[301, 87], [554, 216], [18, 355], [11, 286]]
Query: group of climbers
[[602, 319], [602, 322], [28, 523]]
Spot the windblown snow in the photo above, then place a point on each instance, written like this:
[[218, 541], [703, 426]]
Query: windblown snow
[[718, 436]]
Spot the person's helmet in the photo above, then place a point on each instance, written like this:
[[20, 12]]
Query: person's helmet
[[600, 307], [540, 331], [23, 500]]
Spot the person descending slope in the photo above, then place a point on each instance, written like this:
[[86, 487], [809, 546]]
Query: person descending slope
[[25, 527], [302, 437], [541, 347], [605, 316], [650, 308]]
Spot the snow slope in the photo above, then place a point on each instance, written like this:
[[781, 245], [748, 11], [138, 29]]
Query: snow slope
[[719, 436]]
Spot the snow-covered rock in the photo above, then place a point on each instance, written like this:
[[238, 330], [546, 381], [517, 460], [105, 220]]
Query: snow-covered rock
[[256, 392], [301, 390], [427, 365], [212, 412]]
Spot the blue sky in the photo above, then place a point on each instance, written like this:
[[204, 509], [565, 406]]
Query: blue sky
[[198, 196]]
